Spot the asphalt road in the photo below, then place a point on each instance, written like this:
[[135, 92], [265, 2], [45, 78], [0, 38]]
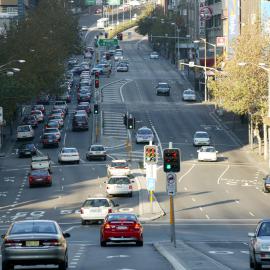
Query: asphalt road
[[217, 204]]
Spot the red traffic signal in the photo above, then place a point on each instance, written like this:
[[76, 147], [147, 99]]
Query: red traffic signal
[[96, 75], [96, 83], [171, 160]]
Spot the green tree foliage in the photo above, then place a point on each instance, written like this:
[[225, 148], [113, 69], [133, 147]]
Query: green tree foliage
[[44, 38], [242, 89]]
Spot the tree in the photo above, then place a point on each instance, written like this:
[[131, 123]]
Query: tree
[[242, 86]]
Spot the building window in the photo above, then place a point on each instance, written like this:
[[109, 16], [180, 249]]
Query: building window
[[217, 1], [210, 2], [209, 23], [217, 20]]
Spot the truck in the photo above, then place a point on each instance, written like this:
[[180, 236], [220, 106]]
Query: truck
[[41, 163]]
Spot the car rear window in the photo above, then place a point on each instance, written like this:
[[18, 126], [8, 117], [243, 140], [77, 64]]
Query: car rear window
[[33, 227], [97, 148], [69, 150], [119, 181], [96, 203], [201, 135], [144, 132], [122, 217], [23, 128], [39, 172], [119, 164], [209, 150], [80, 118]]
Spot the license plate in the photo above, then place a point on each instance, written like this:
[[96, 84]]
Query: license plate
[[39, 179], [95, 210], [27, 153], [32, 243], [122, 228], [119, 186], [50, 141]]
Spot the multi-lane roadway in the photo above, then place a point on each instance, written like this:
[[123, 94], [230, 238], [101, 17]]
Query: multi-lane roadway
[[217, 204]]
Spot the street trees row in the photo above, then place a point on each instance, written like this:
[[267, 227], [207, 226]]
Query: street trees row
[[242, 85], [44, 38]]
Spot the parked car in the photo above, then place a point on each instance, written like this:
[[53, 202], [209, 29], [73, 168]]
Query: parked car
[[68, 154], [154, 55], [121, 227], [95, 152], [96, 209], [163, 88], [48, 140], [207, 153], [201, 138], [39, 178], [119, 185], [118, 167], [266, 184], [144, 135], [259, 245], [189, 95], [25, 132], [27, 150], [34, 242]]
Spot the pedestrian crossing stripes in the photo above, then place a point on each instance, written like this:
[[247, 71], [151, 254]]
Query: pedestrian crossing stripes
[[111, 92], [113, 125]]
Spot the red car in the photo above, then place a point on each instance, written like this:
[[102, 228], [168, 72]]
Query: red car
[[121, 227], [49, 140], [39, 177]]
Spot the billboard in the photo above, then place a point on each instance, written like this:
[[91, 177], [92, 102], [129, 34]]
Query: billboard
[[265, 15], [234, 22]]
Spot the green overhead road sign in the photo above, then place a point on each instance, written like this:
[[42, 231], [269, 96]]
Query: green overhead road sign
[[90, 2], [107, 42]]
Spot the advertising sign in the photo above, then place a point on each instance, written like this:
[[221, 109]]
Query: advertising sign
[[1, 116], [221, 41], [202, 6], [265, 16], [234, 18]]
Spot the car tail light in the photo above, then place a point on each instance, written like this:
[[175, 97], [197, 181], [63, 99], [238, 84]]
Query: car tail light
[[49, 177], [51, 242], [110, 210], [81, 211], [31, 178], [107, 226], [137, 226], [130, 187], [12, 243]]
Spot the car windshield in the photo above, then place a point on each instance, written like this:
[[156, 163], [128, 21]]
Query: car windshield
[[53, 124], [144, 132], [80, 118], [119, 181], [201, 135], [51, 130], [33, 227], [69, 150], [264, 229], [119, 164], [163, 85], [27, 146], [49, 136], [189, 92], [23, 129], [96, 203], [97, 148], [121, 217]]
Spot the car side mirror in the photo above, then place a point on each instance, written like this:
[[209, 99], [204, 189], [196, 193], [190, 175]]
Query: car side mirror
[[66, 235], [251, 234]]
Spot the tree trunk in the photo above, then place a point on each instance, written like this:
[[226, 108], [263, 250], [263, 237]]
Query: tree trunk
[[258, 137], [265, 151], [250, 133]]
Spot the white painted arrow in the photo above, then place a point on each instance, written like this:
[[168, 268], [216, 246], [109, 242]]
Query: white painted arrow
[[117, 256]]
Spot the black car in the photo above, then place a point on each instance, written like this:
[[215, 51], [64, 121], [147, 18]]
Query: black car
[[266, 184], [163, 88], [49, 139], [80, 122], [27, 150]]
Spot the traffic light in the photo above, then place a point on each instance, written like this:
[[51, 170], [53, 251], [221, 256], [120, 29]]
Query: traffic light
[[96, 109], [150, 154], [96, 83], [125, 119], [120, 36], [96, 75], [171, 160], [131, 123]]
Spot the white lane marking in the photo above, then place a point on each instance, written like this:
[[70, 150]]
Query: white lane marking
[[251, 214], [201, 209], [117, 256], [193, 199], [187, 172], [237, 201], [218, 181], [221, 252], [121, 88], [185, 188], [207, 216], [64, 141], [70, 228]]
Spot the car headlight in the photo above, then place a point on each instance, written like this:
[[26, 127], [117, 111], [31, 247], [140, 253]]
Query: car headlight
[[257, 246]]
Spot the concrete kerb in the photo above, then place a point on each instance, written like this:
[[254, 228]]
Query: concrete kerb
[[169, 257]]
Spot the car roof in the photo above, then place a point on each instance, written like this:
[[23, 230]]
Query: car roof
[[97, 198], [119, 176], [70, 148], [119, 160], [201, 132], [144, 128], [35, 220], [97, 145]]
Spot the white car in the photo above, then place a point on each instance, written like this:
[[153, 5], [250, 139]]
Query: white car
[[118, 55], [69, 154], [60, 104], [154, 55], [25, 132], [39, 115], [119, 185], [189, 95], [118, 167], [95, 209], [201, 138], [54, 131], [144, 135], [96, 151], [84, 28], [207, 153]]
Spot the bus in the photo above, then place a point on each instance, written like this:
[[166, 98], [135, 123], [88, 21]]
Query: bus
[[102, 23]]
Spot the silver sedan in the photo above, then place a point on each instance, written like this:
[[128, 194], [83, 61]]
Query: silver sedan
[[34, 242]]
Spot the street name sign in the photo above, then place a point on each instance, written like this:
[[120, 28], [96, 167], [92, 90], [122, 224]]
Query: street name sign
[[171, 184]]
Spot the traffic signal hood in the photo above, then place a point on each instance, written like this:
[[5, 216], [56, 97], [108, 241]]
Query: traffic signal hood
[[131, 123], [96, 109], [171, 160], [96, 83]]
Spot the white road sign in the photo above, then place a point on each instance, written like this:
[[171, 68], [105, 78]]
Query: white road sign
[[171, 183]]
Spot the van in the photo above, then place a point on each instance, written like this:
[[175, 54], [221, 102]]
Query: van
[[25, 132]]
